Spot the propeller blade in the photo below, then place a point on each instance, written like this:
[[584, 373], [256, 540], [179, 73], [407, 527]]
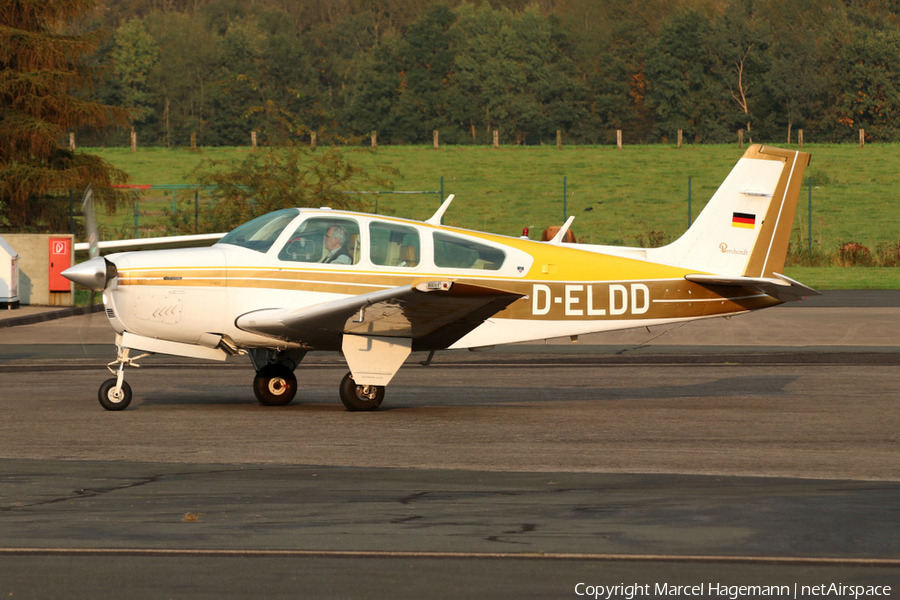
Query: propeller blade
[[90, 223]]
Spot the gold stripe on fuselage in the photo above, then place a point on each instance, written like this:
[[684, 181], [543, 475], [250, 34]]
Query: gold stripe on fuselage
[[543, 299]]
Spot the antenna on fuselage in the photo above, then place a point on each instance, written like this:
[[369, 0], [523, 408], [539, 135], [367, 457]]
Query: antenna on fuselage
[[436, 217], [558, 238]]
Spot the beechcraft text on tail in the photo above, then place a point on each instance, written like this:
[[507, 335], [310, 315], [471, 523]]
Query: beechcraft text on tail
[[377, 288]]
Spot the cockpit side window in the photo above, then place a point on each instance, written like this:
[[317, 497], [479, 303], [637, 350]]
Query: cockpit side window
[[393, 245], [324, 240], [459, 253], [260, 233]]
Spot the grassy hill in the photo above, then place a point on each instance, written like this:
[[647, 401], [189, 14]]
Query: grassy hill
[[627, 197]]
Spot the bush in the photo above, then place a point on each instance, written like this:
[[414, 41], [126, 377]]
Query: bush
[[853, 254], [888, 254]]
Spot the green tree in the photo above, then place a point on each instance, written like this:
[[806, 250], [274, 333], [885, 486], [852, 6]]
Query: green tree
[[283, 175], [134, 56], [183, 76], [374, 87], [425, 61], [278, 177], [686, 79], [801, 65], [743, 42], [41, 70], [546, 94], [481, 72], [870, 99]]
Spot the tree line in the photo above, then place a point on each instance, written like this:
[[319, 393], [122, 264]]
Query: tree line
[[404, 68]]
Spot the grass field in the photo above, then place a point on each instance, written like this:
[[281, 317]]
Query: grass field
[[617, 196]]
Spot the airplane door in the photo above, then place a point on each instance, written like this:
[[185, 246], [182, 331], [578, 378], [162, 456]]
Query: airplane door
[[60, 260]]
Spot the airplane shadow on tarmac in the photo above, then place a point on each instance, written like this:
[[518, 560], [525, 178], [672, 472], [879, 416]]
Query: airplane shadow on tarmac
[[317, 397]]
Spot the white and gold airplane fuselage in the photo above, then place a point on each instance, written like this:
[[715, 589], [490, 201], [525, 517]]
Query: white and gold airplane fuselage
[[377, 288]]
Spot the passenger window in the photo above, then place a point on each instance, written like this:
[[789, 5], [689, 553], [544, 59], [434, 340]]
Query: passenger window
[[393, 245], [458, 253], [324, 240]]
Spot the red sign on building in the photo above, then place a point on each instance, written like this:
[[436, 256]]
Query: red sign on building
[[60, 260]]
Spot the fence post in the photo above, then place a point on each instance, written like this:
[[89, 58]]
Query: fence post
[[619, 138], [312, 140], [800, 137], [680, 137], [133, 140], [558, 139], [71, 140], [434, 135], [253, 139], [374, 139], [740, 139], [496, 139], [862, 138], [193, 140]]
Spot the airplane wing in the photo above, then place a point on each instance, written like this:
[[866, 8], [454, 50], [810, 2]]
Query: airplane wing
[[154, 243], [434, 314], [782, 287]]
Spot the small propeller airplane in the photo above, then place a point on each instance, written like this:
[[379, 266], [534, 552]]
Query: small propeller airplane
[[377, 288]]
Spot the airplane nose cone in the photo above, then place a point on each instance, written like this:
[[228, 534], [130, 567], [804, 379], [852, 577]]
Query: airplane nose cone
[[93, 274]]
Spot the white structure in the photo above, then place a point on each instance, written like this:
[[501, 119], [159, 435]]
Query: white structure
[[9, 276]]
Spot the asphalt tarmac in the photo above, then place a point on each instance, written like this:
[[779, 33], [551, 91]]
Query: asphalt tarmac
[[760, 451]]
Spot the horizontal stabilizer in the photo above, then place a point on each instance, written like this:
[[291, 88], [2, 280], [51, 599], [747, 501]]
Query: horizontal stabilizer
[[780, 286]]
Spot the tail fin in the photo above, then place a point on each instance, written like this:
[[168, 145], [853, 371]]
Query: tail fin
[[744, 229]]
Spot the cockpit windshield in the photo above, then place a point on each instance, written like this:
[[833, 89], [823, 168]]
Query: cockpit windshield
[[260, 233]]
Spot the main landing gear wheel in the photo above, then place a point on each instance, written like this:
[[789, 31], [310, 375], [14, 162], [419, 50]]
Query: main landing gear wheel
[[360, 397], [275, 385], [112, 400]]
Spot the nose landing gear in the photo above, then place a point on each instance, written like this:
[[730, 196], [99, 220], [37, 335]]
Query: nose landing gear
[[115, 393]]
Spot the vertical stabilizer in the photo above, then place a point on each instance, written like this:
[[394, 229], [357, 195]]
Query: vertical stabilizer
[[745, 228]]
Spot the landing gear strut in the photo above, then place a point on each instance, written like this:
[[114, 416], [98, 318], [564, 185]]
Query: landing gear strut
[[115, 393], [360, 397]]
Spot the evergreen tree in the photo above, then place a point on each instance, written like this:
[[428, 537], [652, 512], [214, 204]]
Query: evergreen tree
[[41, 69]]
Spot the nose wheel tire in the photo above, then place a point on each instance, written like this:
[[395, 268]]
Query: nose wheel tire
[[112, 400], [360, 397], [275, 385]]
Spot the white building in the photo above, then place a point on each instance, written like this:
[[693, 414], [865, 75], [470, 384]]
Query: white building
[[9, 276]]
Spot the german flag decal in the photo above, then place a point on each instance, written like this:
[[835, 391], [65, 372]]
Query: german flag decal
[[745, 220]]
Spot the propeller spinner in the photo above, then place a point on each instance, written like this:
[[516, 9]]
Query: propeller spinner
[[94, 274]]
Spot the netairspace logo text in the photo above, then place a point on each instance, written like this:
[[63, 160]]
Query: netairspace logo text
[[732, 592]]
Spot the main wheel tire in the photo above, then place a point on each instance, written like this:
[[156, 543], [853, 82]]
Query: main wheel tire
[[109, 399], [360, 397], [275, 385]]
